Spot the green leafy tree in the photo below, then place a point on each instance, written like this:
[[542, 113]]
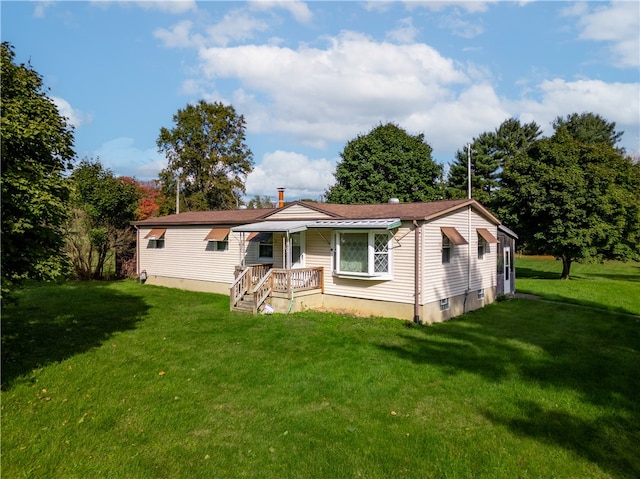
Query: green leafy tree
[[574, 196], [489, 151], [99, 231], [37, 149], [386, 163], [207, 156]]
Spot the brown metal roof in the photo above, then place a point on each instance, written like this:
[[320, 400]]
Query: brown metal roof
[[222, 217], [218, 234], [404, 211], [486, 234], [156, 234], [454, 235]]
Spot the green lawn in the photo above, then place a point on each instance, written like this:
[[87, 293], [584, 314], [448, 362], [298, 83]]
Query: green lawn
[[613, 285], [121, 380]]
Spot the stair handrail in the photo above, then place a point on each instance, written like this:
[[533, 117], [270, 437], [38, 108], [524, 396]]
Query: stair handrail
[[262, 291], [240, 286]]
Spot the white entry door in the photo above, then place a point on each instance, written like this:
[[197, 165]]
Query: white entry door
[[297, 250], [507, 269]]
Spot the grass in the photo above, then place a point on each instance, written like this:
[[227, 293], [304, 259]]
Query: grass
[[122, 380], [614, 285]]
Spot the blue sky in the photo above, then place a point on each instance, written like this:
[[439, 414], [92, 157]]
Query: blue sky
[[310, 76]]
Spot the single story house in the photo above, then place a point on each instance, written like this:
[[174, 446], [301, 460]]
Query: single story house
[[425, 262]]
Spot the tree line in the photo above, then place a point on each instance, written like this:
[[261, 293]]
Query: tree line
[[574, 194]]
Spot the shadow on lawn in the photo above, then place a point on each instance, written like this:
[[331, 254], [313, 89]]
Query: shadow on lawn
[[554, 346], [52, 323]]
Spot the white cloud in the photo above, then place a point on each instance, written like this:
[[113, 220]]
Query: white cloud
[[173, 7], [169, 6], [236, 25], [379, 6], [470, 6], [41, 8], [404, 33], [322, 95], [619, 102], [302, 177], [123, 158], [618, 24], [178, 36], [326, 94], [74, 116], [299, 10], [460, 26]]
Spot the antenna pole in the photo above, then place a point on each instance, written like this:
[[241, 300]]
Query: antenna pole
[[469, 169], [177, 194]]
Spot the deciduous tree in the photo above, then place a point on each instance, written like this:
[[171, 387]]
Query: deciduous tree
[[99, 229], [37, 149], [386, 163], [575, 195], [208, 157]]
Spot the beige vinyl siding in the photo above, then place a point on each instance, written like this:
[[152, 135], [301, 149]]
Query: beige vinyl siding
[[298, 212], [185, 255], [253, 249], [400, 289], [484, 271], [453, 279]]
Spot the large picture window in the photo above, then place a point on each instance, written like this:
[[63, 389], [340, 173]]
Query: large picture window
[[363, 254]]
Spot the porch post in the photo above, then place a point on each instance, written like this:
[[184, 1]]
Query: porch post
[[287, 251]]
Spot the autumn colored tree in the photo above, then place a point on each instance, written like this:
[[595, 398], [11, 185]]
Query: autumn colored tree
[[150, 199]]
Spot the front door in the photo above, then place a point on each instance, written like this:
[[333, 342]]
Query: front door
[[507, 270], [297, 250]]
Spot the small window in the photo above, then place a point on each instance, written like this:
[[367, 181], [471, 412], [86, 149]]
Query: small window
[[446, 249], [217, 245], [156, 244], [482, 247], [265, 249], [444, 304], [481, 294]]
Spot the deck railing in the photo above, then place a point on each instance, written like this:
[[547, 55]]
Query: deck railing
[[262, 290], [240, 286], [273, 280], [303, 279]]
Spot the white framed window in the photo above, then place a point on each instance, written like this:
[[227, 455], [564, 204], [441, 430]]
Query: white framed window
[[481, 294], [363, 254], [446, 249], [483, 247], [451, 238], [444, 304]]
